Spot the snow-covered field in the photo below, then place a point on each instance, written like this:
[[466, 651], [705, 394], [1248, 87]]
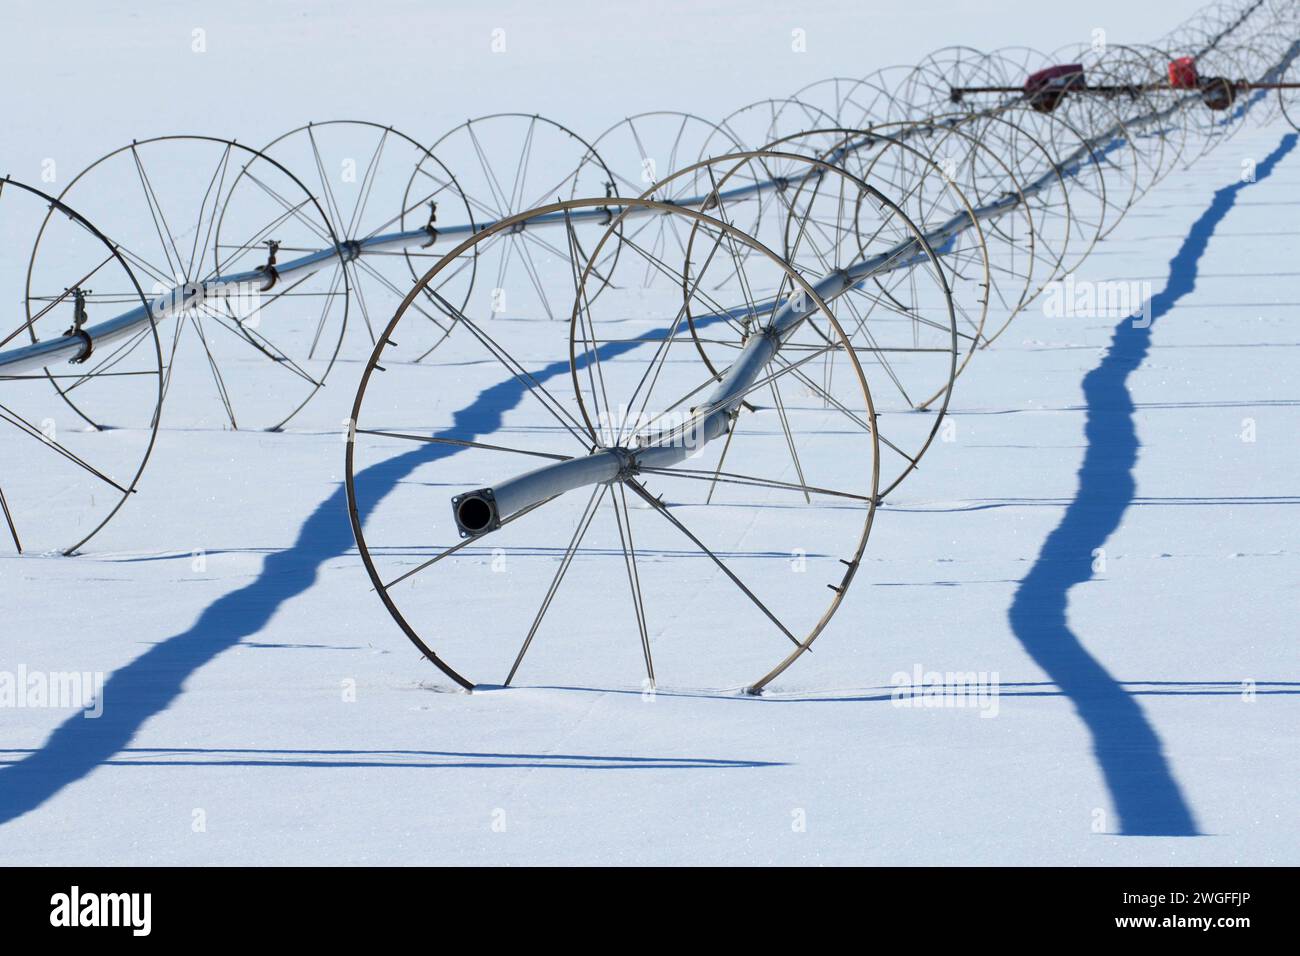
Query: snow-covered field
[[262, 707]]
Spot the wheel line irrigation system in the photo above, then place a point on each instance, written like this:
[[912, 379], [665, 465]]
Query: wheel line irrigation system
[[1130, 106]]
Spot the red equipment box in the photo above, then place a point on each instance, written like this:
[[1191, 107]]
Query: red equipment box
[[1182, 74], [1045, 88]]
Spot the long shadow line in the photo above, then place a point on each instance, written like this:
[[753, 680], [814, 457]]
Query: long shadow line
[[868, 695], [400, 759], [1143, 789], [467, 765], [150, 683]]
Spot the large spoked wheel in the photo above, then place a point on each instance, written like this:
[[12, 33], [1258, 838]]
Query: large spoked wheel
[[70, 456], [835, 96], [507, 163], [1042, 185], [895, 301], [929, 195], [644, 152], [928, 88], [651, 573], [877, 99], [366, 176], [207, 210], [647, 148], [1134, 151], [1078, 171], [1014, 263], [758, 124]]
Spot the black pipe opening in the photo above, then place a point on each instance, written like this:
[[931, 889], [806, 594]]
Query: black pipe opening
[[474, 514]]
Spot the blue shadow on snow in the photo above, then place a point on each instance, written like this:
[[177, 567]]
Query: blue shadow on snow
[[151, 682], [1145, 794]]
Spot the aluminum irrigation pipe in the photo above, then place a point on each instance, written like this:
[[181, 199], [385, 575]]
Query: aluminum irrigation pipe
[[483, 510], [40, 355]]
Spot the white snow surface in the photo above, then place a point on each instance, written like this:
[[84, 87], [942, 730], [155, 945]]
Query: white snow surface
[[320, 736]]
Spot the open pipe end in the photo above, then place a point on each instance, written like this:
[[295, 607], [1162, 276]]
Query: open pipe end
[[475, 513]]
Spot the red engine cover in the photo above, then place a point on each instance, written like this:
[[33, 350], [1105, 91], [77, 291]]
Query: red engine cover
[[1182, 74], [1046, 88], [1064, 76]]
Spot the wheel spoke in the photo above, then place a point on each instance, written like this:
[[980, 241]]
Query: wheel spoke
[[593, 504], [9, 520], [462, 443], [27, 428], [217, 378], [526, 378], [457, 547], [624, 522], [168, 244], [789, 438], [659, 506], [730, 477]]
